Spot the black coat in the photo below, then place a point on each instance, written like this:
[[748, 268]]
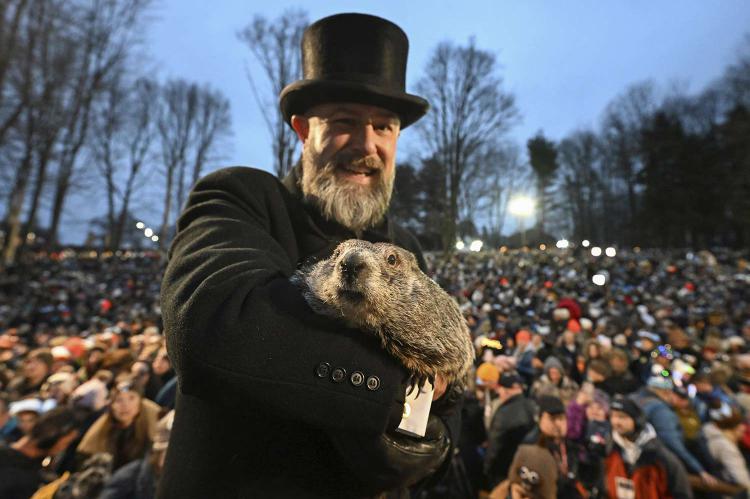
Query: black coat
[[510, 424], [258, 413]]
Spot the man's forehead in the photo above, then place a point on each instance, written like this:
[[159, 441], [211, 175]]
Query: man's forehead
[[330, 108]]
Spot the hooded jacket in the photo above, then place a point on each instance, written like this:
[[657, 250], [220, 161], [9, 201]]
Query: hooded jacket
[[645, 467]]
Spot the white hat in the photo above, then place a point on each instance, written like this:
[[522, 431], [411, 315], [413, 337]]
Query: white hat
[[26, 405]]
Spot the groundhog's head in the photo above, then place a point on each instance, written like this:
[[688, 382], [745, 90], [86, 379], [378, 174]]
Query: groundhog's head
[[362, 279]]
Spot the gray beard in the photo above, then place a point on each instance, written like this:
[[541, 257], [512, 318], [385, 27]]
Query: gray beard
[[356, 207]]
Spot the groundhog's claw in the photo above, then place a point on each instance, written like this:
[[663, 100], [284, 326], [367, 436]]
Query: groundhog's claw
[[418, 380]]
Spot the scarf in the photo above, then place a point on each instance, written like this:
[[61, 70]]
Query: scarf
[[631, 451]]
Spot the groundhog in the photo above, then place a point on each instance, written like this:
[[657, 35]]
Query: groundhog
[[379, 288]]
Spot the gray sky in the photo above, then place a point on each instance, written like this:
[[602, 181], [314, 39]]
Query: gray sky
[[564, 61]]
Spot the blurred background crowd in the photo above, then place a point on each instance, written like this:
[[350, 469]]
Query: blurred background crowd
[[595, 375]]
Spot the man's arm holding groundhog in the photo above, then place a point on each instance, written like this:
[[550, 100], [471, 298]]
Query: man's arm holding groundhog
[[241, 334], [238, 330]]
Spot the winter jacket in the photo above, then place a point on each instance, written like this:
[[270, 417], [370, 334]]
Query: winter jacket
[[135, 480], [726, 452], [510, 424], [274, 400], [667, 426], [656, 474]]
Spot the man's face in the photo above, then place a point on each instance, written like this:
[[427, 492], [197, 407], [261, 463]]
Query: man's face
[[348, 161], [553, 425], [26, 421], [35, 370], [621, 423]]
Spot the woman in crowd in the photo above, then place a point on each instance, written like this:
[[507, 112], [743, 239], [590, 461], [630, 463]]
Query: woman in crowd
[[127, 429], [724, 432]]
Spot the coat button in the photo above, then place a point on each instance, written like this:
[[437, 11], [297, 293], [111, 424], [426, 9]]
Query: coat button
[[322, 370], [338, 375], [373, 383], [357, 378]]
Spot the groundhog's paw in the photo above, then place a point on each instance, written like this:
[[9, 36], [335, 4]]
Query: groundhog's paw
[[418, 380]]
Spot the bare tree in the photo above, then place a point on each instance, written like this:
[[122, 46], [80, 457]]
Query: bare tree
[[124, 126], [275, 45], [470, 109], [192, 124], [579, 157], [506, 175], [106, 30], [543, 161]]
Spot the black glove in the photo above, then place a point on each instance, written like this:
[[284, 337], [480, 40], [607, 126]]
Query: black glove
[[393, 460]]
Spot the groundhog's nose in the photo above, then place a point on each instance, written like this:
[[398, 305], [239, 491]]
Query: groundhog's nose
[[351, 265]]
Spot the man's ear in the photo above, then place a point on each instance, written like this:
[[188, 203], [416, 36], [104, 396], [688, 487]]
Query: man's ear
[[301, 125]]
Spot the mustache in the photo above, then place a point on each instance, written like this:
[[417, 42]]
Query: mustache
[[349, 159]]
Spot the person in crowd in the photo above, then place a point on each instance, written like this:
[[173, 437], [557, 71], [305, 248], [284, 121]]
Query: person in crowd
[[656, 400], [9, 431], [26, 412], [723, 434], [532, 475], [639, 465], [37, 366], [512, 420], [126, 430], [21, 464], [139, 479], [554, 382], [576, 475], [620, 380]]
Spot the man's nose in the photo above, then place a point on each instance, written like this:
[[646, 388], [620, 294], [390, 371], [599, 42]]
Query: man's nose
[[365, 139]]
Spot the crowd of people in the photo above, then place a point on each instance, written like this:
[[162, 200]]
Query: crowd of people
[[635, 384]]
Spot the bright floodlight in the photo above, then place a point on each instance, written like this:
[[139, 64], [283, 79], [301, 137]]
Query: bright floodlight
[[599, 279], [155, 238], [610, 252], [521, 206], [460, 245], [596, 251], [148, 232], [476, 245], [562, 244], [140, 225], [585, 243]]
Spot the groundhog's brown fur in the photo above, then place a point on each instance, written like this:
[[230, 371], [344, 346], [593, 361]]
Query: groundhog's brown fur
[[380, 288]]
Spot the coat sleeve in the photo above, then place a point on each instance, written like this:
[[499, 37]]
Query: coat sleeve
[[667, 428], [240, 334], [677, 477]]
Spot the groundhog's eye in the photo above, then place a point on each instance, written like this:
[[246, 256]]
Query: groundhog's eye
[[392, 259]]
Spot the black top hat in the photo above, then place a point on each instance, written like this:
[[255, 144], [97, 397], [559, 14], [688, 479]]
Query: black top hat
[[353, 58]]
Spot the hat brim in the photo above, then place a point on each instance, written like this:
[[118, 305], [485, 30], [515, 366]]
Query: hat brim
[[298, 97]]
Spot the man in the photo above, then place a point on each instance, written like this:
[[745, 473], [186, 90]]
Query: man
[[21, 463], [275, 401], [656, 400], [574, 466], [639, 466], [37, 366], [513, 419]]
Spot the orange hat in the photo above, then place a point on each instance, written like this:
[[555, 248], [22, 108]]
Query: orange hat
[[574, 326], [523, 335], [487, 374]]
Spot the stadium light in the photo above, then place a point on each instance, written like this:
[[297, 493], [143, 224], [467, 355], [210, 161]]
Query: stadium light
[[599, 279], [585, 243], [563, 244], [140, 225], [521, 207], [610, 252], [155, 238], [460, 245], [476, 245], [596, 251], [148, 232]]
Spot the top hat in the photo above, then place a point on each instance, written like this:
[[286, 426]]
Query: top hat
[[353, 58]]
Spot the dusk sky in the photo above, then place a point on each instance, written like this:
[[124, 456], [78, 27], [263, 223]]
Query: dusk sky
[[564, 61]]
